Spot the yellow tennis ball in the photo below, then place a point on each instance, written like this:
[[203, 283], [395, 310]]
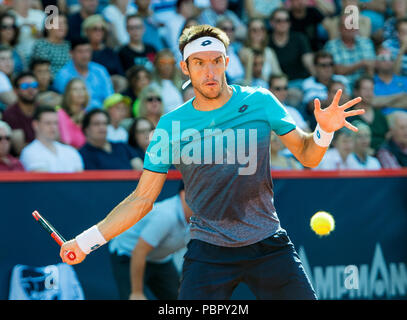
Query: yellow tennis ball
[[322, 223]]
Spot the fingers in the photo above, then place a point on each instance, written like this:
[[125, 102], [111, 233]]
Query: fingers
[[317, 105], [354, 112], [337, 97], [350, 126], [351, 103]]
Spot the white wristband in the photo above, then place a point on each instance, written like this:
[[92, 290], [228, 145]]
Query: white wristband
[[322, 138], [90, 239]]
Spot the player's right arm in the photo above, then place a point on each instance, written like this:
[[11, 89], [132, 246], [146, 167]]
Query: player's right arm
[[124, 215]]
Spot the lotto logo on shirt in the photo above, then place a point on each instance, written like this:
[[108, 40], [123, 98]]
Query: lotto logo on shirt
[[213, 146]]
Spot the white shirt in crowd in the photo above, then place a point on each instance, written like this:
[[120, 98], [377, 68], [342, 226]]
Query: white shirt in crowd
[[333, 161], [37, 157], [117, 134]]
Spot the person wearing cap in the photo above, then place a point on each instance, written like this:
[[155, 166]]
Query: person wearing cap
[[236, 235], [118, 108]]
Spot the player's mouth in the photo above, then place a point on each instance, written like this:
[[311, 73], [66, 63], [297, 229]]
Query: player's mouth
[[211, 83]]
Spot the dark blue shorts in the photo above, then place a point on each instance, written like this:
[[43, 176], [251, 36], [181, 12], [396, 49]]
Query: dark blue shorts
[[271, 269]]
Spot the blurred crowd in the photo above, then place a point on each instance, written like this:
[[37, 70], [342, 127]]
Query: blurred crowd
[[83, 83]]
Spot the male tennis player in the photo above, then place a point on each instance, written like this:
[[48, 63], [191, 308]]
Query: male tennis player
[[236, 235]]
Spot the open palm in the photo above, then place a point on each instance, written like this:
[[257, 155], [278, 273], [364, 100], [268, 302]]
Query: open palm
[[334, 117]]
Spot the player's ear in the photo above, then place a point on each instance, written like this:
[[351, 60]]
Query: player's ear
[[184, 68]]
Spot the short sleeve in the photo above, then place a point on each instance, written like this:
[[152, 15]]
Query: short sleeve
[[157, 228], [158, 154], [280, 120]]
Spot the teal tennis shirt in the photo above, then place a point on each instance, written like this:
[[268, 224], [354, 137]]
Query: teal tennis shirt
[[223, 156]]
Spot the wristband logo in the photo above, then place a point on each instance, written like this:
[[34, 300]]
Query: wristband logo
[[95, 247], [318, 134]]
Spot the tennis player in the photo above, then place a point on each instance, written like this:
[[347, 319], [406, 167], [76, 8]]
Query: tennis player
[[219, 141]]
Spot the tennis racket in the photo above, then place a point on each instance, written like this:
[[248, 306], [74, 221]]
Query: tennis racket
[[53, 233]]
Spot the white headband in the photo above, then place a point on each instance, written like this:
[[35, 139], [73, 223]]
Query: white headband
[[200, 45]]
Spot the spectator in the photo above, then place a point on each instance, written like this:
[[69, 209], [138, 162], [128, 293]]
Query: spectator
[[373, 117], [87, 8], [390, 89], [317, 86], [136, 51], [375, 11], [95, 29], [398, 47], [31, 24], [7, 161], [7, 95], [139, 135], [41, 69], [261, 9], [330, 24], [279, 161], [399, 10], [361, 157], [337, 157], [305, 19], [279, 86], [393, 153], [142, 256], [45, 153], [19, 115], [169, 78], [115, 13], [138, 78], [292, 48], [100, 154], [353, 55], [9, 33], [219, 8], [54, 47], [257, 40], [151, 106], [96, 77], [71, 113], [235, 72], [117, 106]]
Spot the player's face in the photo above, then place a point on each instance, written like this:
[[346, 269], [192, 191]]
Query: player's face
[[207, 73]]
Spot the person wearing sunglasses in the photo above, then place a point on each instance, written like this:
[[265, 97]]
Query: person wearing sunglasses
[[151, 106], [9, 33], [7, 161], [19, 115]]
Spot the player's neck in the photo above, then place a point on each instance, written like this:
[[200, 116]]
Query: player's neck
[[203, 103]]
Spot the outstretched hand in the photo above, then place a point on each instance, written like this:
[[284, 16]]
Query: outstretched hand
[[334, 116]]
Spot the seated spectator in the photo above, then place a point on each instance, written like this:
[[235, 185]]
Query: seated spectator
[[330, 24], [390, 89], [135, 51], [353, 55], [305, 19], [118, 108], [279, 161], [375, 10], [7, 161], [41, 69], [361, 157], [168, 77], [7, 94], [138, 78], [317, 86], [71, 113], [139, 136], [256, 48], [373, 117], [9, 33], [95, 76], [87, 8], [398, 47], [19, 115], [151, 106], [54, 47], [337, 157], [95, 29], [261, 9], [45, 153], [235, 71], [219, 8], [327, 7], [399, 10], [279, 86], [100, 154], [393, 153]]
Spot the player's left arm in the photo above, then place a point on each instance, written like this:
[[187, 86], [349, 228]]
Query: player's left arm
[[309, 148]]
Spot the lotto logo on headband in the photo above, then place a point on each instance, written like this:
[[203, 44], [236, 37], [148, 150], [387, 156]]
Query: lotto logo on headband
[[206, 42]]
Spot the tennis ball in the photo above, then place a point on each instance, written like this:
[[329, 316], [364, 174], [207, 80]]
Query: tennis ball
[[322, 223]]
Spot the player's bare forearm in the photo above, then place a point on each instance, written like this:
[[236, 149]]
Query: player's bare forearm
[[134, 207]]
